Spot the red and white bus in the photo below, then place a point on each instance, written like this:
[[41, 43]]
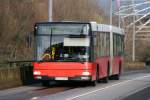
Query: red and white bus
[[77, 51]]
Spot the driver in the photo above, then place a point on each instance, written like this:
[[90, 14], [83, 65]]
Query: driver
[[46, 56]]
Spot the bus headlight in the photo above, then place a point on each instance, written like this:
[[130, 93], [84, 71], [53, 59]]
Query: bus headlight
[[86, 73], [36, 73]]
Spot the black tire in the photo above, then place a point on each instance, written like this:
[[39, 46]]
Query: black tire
[[116, 77], [105, 80], [97, 75], [45, 83], [93, 83]]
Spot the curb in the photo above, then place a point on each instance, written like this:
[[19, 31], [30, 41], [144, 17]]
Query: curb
[[146, 70]]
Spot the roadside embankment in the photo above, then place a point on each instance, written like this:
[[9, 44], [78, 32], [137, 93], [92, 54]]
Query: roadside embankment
[[135, 67], [15, 76]]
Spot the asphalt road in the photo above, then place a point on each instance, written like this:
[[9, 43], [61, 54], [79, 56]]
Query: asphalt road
[[141, 95], [114, 90], [29, 92]]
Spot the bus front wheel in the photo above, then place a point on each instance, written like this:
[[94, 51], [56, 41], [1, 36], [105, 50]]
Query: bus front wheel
[[93, 83], [105, 80], [45, 83]]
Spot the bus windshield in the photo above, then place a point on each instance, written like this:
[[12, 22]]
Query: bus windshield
[[63, 42]]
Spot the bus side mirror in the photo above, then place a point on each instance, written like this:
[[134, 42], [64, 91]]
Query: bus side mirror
[[35, 31]]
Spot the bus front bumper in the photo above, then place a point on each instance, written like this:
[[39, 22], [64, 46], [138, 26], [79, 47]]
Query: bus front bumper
[[77, 78]]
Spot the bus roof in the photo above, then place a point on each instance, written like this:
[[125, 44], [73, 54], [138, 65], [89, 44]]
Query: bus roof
[[63, 22], [94, 25], [106, 28]]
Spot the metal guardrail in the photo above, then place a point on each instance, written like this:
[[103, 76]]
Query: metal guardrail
[[17, 63]]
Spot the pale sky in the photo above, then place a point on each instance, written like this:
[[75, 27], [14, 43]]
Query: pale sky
[[105, 4]]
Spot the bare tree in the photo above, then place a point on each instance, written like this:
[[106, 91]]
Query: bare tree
[[18, 18]]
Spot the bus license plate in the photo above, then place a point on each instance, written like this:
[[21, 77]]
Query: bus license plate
[[61, 78]]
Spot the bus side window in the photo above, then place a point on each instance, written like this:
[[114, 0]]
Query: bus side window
[[95, 44], [94, 38]]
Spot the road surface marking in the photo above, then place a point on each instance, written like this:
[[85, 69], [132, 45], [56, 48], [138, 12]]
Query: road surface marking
[[133, 92], [101, 89], [34, 98]]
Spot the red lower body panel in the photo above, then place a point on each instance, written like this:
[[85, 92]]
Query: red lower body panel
[[77, 69], [104, 66], [64, 69]]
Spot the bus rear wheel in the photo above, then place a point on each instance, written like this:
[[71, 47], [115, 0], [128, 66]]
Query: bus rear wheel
[[105, 80], [116, 77]]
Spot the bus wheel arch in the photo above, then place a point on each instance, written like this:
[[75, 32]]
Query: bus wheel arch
[[105, 79], [97, 73], [117, 76], [120, 67], [108, 68]]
